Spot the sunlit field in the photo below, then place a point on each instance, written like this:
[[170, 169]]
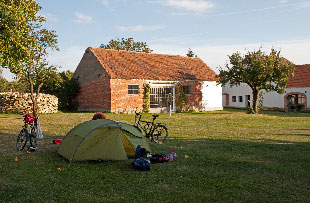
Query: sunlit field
[[231, 156]]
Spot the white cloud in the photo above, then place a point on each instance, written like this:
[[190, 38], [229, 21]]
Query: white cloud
[[283, 1], [297, 51], [297, 5], [104, 2], [82, 18], [138, 28], [189, 5], [304, 5], [50, 17]]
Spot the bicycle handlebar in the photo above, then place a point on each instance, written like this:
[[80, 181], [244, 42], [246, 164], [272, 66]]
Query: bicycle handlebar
[[139, 114]]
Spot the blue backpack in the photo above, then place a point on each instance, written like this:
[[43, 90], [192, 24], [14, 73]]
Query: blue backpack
[[141, 152], [141, 164]]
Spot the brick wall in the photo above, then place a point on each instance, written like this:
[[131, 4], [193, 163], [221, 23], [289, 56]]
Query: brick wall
[[194, 99], [121, 101], [111, 95], [95, 95]]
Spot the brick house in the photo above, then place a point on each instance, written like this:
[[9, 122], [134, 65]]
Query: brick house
[[296, 95], [113, 81]]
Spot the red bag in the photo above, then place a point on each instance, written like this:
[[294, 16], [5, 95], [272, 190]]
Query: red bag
[[57, 141], [99, 115], [29, 118]]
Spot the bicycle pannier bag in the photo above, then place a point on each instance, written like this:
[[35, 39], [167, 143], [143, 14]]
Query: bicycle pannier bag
[[141, 164]]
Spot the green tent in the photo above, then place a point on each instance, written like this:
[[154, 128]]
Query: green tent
[[101, 139]]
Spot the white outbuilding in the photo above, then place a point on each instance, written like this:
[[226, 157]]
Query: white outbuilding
[[296, 96]]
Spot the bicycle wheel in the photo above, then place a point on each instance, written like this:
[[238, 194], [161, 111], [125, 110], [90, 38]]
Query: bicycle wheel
[[160, 134], [33, 136], [21, 139]]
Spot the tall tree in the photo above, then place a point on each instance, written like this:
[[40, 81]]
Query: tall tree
[[127, 44], [23, 41], [261, 71]]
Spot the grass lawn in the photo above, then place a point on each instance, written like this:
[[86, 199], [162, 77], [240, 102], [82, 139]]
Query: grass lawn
[[232, 157]]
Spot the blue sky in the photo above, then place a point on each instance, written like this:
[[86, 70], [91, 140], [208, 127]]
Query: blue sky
[[213, 29]]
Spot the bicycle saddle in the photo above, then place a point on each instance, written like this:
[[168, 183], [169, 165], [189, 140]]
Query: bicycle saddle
[[155, 116]]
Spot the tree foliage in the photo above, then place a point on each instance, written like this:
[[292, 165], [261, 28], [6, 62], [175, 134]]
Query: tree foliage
[[190, 53], [127, 44], [14, 86], [3, 84], [50, 79], [68, 91], [61, 85], [261, 71], [23, 41]]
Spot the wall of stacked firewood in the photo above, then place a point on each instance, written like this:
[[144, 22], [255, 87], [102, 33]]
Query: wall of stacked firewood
[[21, 102]]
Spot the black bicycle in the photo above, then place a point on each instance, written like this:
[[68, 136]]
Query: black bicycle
[[28, 133], [157, 132]]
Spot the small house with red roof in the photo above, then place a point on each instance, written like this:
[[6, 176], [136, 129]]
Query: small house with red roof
[[295, 98], [117, 80]]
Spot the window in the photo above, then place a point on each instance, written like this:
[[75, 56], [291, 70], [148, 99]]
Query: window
[[133, 89], [301, 99], [187, 89], [233, 98], [240, 98]]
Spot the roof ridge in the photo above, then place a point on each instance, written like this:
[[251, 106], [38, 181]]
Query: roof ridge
[[146, 53], [303, 65]]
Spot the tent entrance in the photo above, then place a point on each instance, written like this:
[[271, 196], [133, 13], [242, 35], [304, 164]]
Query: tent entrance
[[129, 149]]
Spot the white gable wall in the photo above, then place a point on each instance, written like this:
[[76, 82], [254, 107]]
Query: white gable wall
[[211, 96]]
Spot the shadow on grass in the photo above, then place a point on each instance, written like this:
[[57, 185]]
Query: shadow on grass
[[283, 114], [213, 170], [8, 144], [295, 134], [269, 112]]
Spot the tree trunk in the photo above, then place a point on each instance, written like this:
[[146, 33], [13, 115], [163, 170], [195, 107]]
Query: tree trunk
[[34, 103], [255, 98], [33, 98]]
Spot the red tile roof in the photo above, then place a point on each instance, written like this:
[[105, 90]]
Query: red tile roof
[[122, 64], [301, 77]]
